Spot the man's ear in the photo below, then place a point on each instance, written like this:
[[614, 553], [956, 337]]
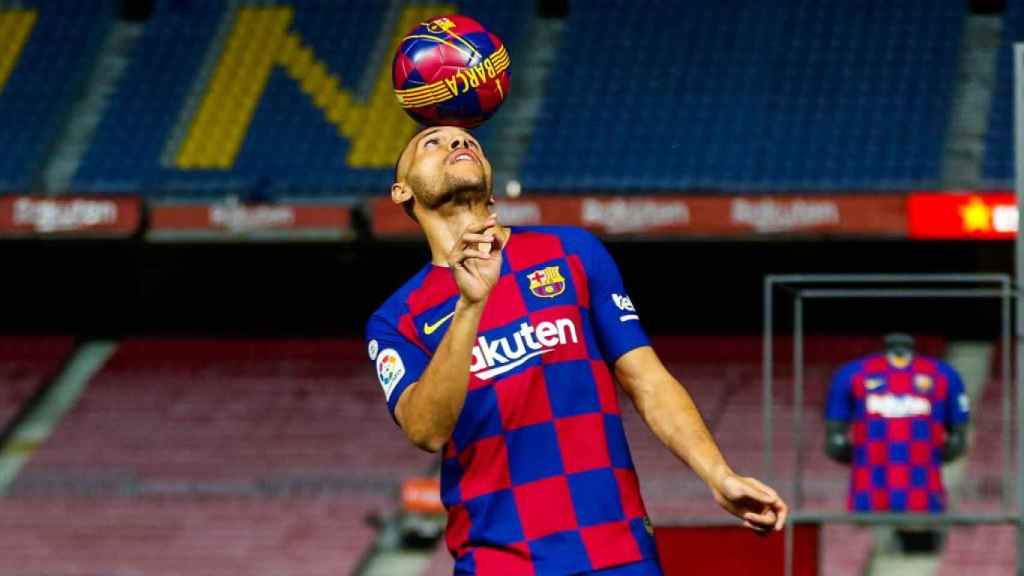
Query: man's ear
[[400, 193]]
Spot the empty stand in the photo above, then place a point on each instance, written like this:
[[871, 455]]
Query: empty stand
[[46, 47], [26, 363], [981, 550], [265, 98], [779, 96], [212, 457], [249, 417], [176, 535], [764, 95], [998, 166]]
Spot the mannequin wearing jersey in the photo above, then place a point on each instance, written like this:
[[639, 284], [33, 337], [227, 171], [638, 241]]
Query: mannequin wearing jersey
[[899, 351]]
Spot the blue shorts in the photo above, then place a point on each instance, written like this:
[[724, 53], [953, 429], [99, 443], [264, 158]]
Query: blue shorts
[[645, 568]]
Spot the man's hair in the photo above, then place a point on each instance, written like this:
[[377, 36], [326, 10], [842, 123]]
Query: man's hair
[[408, 204]]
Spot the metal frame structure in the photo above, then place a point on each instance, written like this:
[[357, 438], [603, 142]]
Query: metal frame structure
[[836, 286], [1018, 163]]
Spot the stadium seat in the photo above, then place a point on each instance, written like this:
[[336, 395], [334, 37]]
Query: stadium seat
[[210, 457], [759, 96], [167, 536], [26, 363], [224, 100], [998, 164], [262, 415], [46, 47]]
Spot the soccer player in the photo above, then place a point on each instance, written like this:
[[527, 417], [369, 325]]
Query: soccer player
[[497, 353], [896, 417]]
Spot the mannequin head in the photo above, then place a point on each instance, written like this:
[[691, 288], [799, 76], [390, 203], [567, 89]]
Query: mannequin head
[[899, 349]]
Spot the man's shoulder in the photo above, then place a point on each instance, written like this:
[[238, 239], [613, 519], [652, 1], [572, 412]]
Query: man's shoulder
[[396, 305], [572, 232], [573, 238]]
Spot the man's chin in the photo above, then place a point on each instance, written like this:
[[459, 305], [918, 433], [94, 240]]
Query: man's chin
[[465, 190]]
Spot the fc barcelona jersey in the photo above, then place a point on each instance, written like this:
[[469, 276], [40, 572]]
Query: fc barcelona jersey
[[536, 477], [898, 420]]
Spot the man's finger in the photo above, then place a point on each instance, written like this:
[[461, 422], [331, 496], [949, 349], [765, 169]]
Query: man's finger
[[755, 528], [473, 253], [781, 513], [470, 238], [766, 520], [478, 227]]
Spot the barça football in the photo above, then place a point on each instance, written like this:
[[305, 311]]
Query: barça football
[[451, 71]]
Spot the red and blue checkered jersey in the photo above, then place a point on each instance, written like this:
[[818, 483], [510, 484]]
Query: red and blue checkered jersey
[[537, 477], [898, 420]]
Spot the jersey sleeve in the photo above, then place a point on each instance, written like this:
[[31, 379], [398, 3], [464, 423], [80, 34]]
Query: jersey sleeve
[[616, 322], [958, 405], [840, 395], [398, 362]]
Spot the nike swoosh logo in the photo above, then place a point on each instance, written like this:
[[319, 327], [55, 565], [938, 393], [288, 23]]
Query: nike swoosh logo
[[429, 329]]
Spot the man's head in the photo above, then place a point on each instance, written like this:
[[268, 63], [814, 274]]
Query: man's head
[[441, 165]]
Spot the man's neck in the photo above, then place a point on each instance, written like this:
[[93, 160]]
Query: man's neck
[[443, 228]]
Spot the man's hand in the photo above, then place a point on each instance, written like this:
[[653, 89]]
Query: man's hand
[[475, 260], [752, 501]]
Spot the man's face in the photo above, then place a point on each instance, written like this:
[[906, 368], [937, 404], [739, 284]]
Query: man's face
[[445, 164]]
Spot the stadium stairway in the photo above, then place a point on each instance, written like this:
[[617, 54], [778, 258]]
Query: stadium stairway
[[999, 164], [964, 151], [33, 426], [27, 363], [79, 132], [520, 115]]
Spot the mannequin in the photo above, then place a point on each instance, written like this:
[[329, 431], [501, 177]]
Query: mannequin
[[899, 351]]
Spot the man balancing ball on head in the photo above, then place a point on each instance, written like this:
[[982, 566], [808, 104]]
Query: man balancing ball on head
[[500, 353]]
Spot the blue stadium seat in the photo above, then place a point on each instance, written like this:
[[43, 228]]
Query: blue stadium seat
[[703, 95], [998, 166], [46, 74], [748, 95], [290, 146]]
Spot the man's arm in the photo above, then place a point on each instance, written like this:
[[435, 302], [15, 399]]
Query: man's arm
[[429, 408], [669, 411]]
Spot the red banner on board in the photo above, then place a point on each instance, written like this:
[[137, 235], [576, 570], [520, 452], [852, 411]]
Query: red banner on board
[[976, 215], [228, 219], [35, 216], [680, 216]]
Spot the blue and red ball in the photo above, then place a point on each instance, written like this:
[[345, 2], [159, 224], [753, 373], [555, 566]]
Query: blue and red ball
[[451, 71]]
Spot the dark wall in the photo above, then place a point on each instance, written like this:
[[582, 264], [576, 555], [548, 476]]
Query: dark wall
[[115, 288]]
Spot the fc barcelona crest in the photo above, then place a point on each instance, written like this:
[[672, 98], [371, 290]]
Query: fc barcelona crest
[[923, 383], [547, 282]]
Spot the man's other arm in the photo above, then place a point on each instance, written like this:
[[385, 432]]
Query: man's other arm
[[671, 414]]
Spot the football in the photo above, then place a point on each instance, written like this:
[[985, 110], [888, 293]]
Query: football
[[451, 71]]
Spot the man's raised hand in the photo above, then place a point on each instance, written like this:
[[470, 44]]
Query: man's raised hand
[[475, 260]]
